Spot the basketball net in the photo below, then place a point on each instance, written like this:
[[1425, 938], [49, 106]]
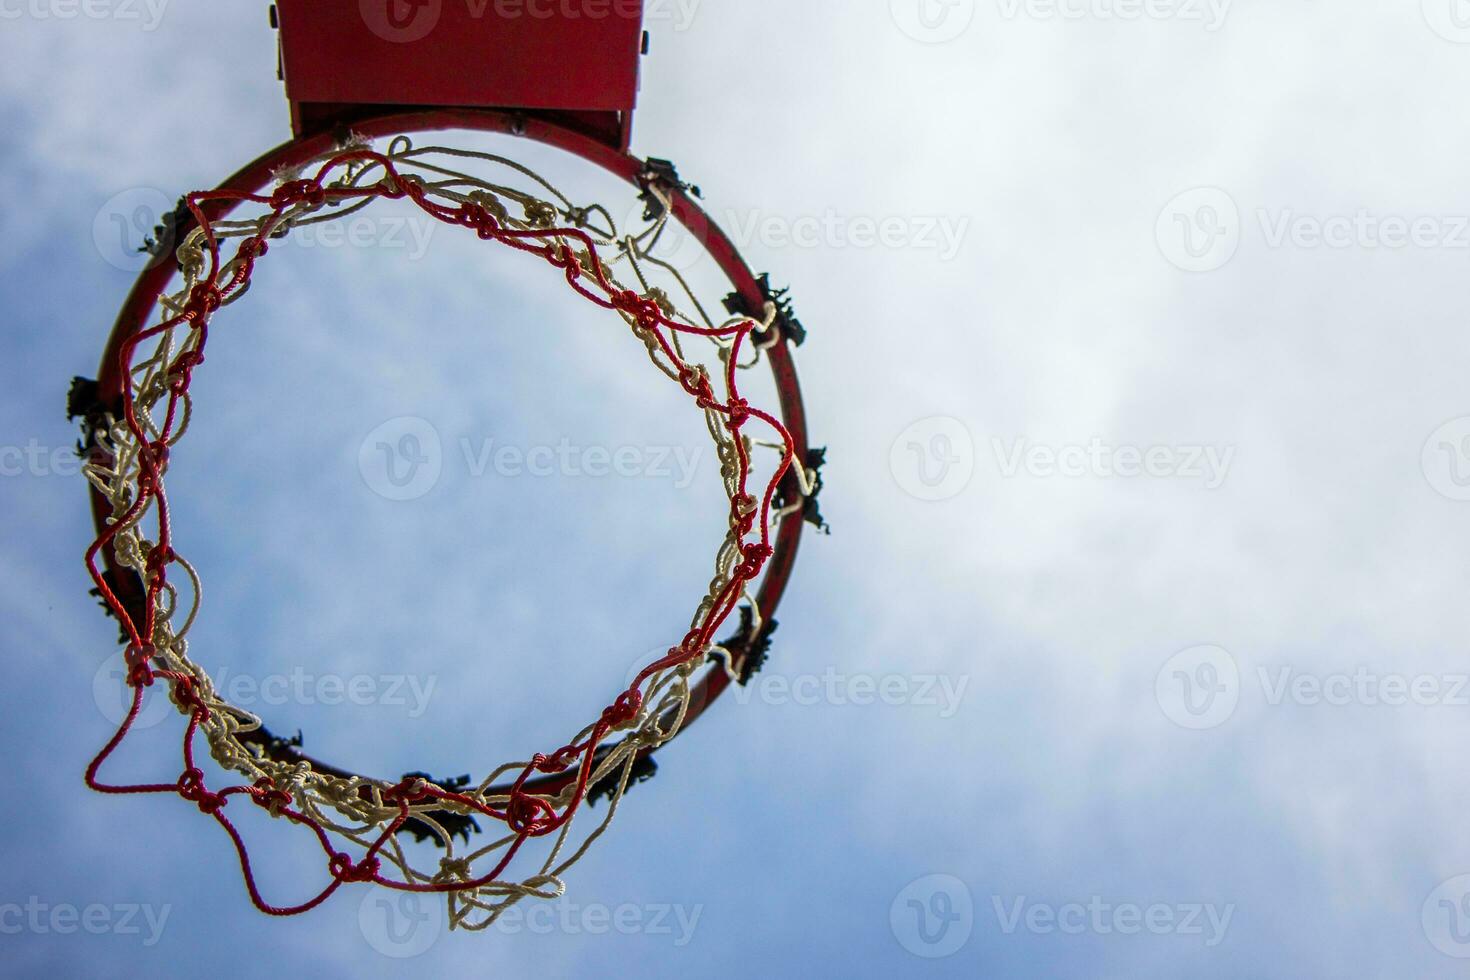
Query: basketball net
[[357, 820]]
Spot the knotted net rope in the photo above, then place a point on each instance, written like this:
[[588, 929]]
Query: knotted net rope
[[356, 819]]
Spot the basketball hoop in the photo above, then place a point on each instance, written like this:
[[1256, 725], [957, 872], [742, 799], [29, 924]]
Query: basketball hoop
[[138, 412]]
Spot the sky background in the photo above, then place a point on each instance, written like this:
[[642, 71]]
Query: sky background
[[1204, 720]]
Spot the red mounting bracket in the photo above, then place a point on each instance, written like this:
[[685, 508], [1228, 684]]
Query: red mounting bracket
[[573, 63]]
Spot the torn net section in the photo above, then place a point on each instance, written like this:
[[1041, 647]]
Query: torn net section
[[356, 819]]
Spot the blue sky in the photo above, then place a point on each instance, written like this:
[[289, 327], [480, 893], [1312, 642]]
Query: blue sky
[[1137, 650]]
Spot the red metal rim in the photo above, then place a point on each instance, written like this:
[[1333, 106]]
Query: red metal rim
[[138, 309]]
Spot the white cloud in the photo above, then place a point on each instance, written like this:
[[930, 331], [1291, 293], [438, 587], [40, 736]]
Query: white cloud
[[1059, 321]]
